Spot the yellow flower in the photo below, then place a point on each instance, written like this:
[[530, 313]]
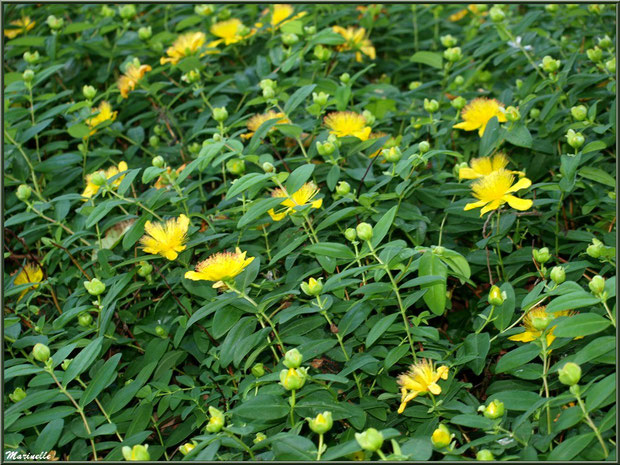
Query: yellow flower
[[535, 321], [300, 198], [185, 45], [347, 123], [480, 167], [22, 25], [256, 121], [461, 14], [496, 189], [478, 112], [104, 113], [128, 81], [280, 14], [30, 273], [220, 267], [355, 40], [166, 240], [91, 188], [228, 31], [420, 379]]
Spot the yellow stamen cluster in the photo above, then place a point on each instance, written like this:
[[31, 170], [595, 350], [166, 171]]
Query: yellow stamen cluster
[[220, 267], [347, 123], [479, 112], [304, 196], [185, 45], [256, 121], [420, 379], [168, 239]]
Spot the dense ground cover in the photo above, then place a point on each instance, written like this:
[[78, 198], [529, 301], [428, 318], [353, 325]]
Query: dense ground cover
[[299, 232]]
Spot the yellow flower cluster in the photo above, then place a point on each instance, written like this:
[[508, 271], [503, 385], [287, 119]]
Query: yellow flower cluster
[[92, 188], [355, 40], [348, 123], [128, 81], [304, 196], [104, 113], [185, 45], [166, 240], [420, 379], [20, 26]]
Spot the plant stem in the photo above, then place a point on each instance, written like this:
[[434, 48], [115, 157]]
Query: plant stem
[[545, 359], [320, 449], [47, 218], [138, 203], [28, 162], [292, 408], [105, 414], [591, 423], [611, 316]]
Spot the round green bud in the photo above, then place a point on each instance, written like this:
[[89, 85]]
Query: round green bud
[[267, 83], [220, 114], [312, 288], [364, 231], [431, 106], [350, 234], [497, 14], [595, 54], [370, 440], [550, 65], [98, 178], [258, 370], [453, 54], [369, 117], [322, 53], [541, 322], [193, 75], [269, 92], [519, 83], [137, 453], [320, 99], [55, 23], [558, 275], [85, 319], [575, 139], [28, 76], [145, 33], [89, 92], [495, 296], [23, 192], [605, 42], [107, 12], [343, 188], [597, 285], [161, 331], [41, 352], [293, 378], [31, 58], [414, 85], [290, 38], [441, 437], [485, 455], [534, 113], [542, 255], [65, 363], [268, 167], [293, 358], [458, 103], [595, 249], [512, 114], [552, 7], [448, 41], [322, 423], [494, 410], [259, 437], [236, 166], [216, 420], [310, 30], [17, 395], [457, 168], [459, 81], [204, 10], [610, 65], [579, 112], [158, 161], [187, 448], [569, 374], [94, 287], [596, 8], [424, 147], [325, 148], [195, 147], [345, 77], [392, 155], [158, 129], [127, 11]]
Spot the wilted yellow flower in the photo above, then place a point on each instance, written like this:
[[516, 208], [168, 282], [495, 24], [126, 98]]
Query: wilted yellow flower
[[30, 273], [355, 40], [256, 121], [461, 14], [185, 45], [228, 31], [220, 267], [478, 112], [300, 198], [480, 167], [104, 113], [535, 322], [162, 182], [91, 188], [420, 379], [22, 25], [128, 81], [166, 240], [347, 123], [496, 189]]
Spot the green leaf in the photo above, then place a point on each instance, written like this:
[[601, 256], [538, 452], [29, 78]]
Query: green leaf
[[331, 249], [264, 406], [258, 209], [519, 136], [517, 357], [380, 230], [490, 139], [435, 297], [572, 301], [472, 421], [297, 98], [571, 447], [582, 324], [379, 328], [79, 131], [49, 436], [428, 58], [599, 393], [246, 182], [298, 178], [598, 175], [103, 378], [83, 360]]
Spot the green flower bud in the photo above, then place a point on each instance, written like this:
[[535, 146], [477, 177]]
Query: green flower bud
[[605, 42], [293, 378], [610, 65], [290, 38], [145, 269], [98, 178], [534, 113], [17, 395], [267, 84], [320, 98], [519, 83], [414, 85], [192, 76], [392, 155], [370, 440], [23, 192], [325, 148], [268, 167], [145, 33], [161, 331], [28, 76], [158, 161], [595, 249], [195, 147], [158, 129], [495, 296], [424, 147], [512, 114], [575, 390], [89, 92], [322, 423], [258, 370], [343, 188], [107, 12], [552, 7], [127, 11], [312, 288], [187, 448], [541, 322], [441, 437], [431, 106], [138, 453], [65, 363], [220, 114], [322, 53], [41, 352], [448, 41], [558, 275], [457, 168], [575, 139], [459, 81], [550, 65], [259, 437], [579, 112], [236, 166], [293, 358], [94, 287], [216, 420], [494, 410], [85, 319], [542, 256], [204, 10], [269, 92], [569, 374], [497, 14], [369, 117], [485, 455], [453, 54], [345, 77], [55, 23], [458, 103], [364, 231], [31, 58], [350, 234], [595, 54], [597, 285], [596, 8]]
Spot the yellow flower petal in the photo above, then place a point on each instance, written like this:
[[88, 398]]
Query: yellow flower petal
[[517, 203]]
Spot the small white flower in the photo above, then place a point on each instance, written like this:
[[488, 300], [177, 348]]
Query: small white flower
[[517, 44]]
